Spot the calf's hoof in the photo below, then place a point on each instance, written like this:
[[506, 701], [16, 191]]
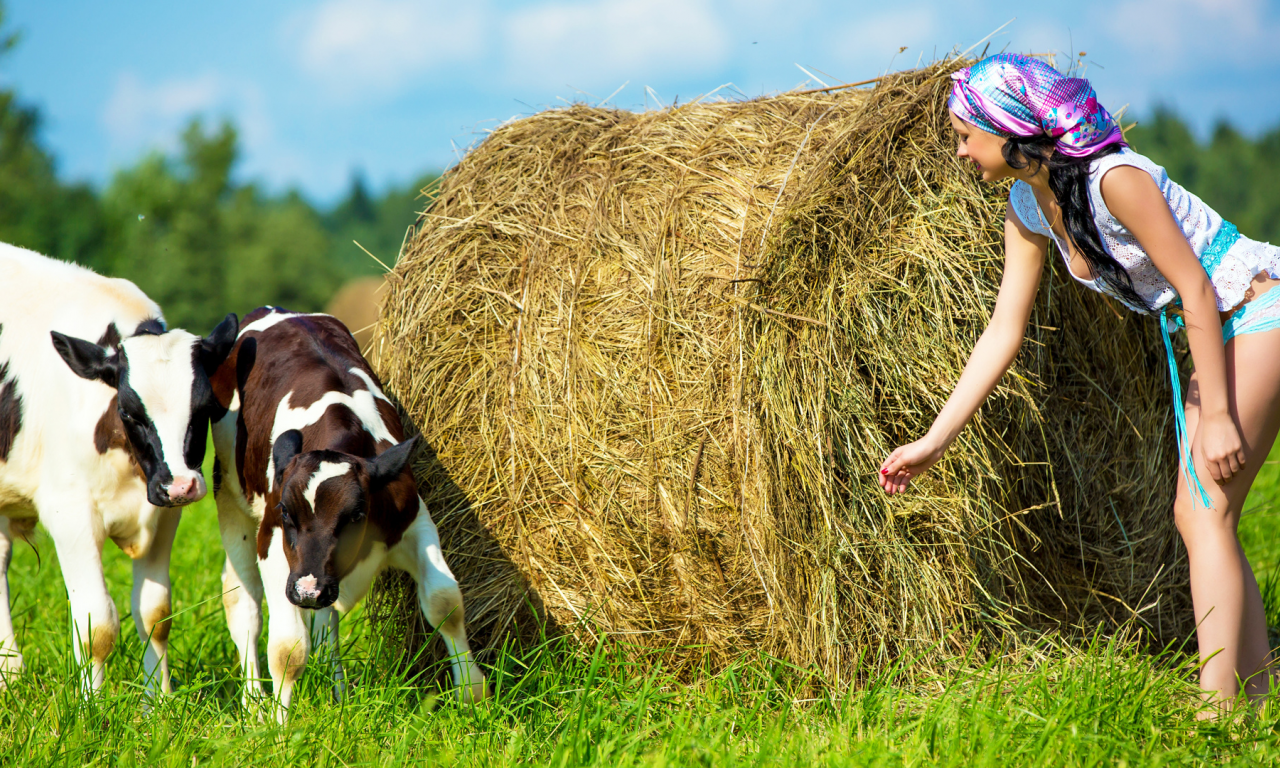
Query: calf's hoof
[[473, 693], [11, 665], [257, 703]]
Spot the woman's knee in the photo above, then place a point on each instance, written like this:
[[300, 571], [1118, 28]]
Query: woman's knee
[[1194, 520]]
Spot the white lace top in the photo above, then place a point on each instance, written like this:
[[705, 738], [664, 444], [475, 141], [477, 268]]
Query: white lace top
[[1200, 223]]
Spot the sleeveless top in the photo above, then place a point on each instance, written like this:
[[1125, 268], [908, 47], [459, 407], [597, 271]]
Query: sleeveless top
[[1199, 223]]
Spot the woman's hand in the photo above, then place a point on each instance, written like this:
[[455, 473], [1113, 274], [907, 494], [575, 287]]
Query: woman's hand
[[1219, 443], [908, 462]]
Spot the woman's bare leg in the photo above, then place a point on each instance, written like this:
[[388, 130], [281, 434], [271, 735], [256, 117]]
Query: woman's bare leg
[[1232, 629], [1255, 643]]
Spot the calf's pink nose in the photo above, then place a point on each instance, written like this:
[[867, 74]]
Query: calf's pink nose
[[184, 489], [306, 588]]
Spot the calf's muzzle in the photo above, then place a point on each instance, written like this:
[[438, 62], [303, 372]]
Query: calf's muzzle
[[185, 490], [310, 591]]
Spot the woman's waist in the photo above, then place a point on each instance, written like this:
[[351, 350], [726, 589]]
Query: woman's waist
[[1261, 284], [1239, 269]]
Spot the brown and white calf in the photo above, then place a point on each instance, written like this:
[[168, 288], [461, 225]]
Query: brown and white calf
[[315, 497], [98, 439]]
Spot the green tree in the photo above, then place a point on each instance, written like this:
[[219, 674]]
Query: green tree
[[282, 254], [377, 224], [1166, 139], [1260, 214], [167, 217]]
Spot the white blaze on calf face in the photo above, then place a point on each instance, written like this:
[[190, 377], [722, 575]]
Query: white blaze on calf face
[[161, 371], [307, 587], [326, 471]]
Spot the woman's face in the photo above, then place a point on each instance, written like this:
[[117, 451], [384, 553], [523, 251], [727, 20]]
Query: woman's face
[[982, 149]]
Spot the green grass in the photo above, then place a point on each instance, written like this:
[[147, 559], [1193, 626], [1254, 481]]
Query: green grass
[[1260, 523], [1108, 704]]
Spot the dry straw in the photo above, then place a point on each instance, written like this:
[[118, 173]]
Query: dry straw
[[659, 357]]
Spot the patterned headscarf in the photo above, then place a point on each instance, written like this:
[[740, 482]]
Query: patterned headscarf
[[1011, 94]]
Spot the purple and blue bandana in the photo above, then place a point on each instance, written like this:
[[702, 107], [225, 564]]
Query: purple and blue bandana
[[1012, 94]]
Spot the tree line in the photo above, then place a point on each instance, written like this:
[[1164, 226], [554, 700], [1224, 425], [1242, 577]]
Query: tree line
[[181, 227]]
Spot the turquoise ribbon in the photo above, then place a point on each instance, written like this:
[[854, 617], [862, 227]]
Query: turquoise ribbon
[[1180, 414], [1218, 247], [1212, 257]]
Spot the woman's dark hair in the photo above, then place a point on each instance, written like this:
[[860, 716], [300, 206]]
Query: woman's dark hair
[[1069, 180]]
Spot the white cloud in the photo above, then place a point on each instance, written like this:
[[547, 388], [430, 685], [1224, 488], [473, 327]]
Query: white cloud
[[134, 109], [604, 41], [141, 116], [355, 46], [138, 114], [1178, 32]]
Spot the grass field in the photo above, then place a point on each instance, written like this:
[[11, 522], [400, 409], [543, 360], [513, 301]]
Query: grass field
[[1109, 704]]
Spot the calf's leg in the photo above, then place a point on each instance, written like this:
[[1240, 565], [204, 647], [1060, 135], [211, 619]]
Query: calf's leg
[[441, 600], [10, 658], [287, 637], [77, 536], [242, 595], [151, 602]]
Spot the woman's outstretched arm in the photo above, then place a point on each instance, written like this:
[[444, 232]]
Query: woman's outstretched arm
[[991, 357], [1134, 199]]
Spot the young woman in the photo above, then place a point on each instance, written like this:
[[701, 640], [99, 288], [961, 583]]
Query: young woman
[[1125, 229]]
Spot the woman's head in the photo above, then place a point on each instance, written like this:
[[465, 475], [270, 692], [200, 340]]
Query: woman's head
[[1018, 117], [1012, 95]]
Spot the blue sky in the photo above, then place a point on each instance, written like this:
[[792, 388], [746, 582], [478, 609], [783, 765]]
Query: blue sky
[[396, 87]]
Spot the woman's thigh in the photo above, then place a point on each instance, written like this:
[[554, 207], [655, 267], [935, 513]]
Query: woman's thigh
[[1253, 386]]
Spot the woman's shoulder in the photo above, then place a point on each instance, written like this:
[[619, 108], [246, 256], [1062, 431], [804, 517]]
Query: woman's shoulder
[[1126, 156], [1022, 199], [1099, 168]]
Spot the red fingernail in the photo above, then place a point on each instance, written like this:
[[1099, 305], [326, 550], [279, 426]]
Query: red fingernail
[[884, 471]]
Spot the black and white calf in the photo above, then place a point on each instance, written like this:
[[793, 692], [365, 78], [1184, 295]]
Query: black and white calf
[[98, 439], [315, 498]]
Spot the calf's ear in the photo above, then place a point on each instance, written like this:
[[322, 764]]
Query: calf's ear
[[388, 465], [88, 360], [288, 445], [215, 347]]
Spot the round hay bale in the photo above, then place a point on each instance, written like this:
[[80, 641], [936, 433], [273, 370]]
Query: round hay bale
[[661, 355], [356, 304]]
